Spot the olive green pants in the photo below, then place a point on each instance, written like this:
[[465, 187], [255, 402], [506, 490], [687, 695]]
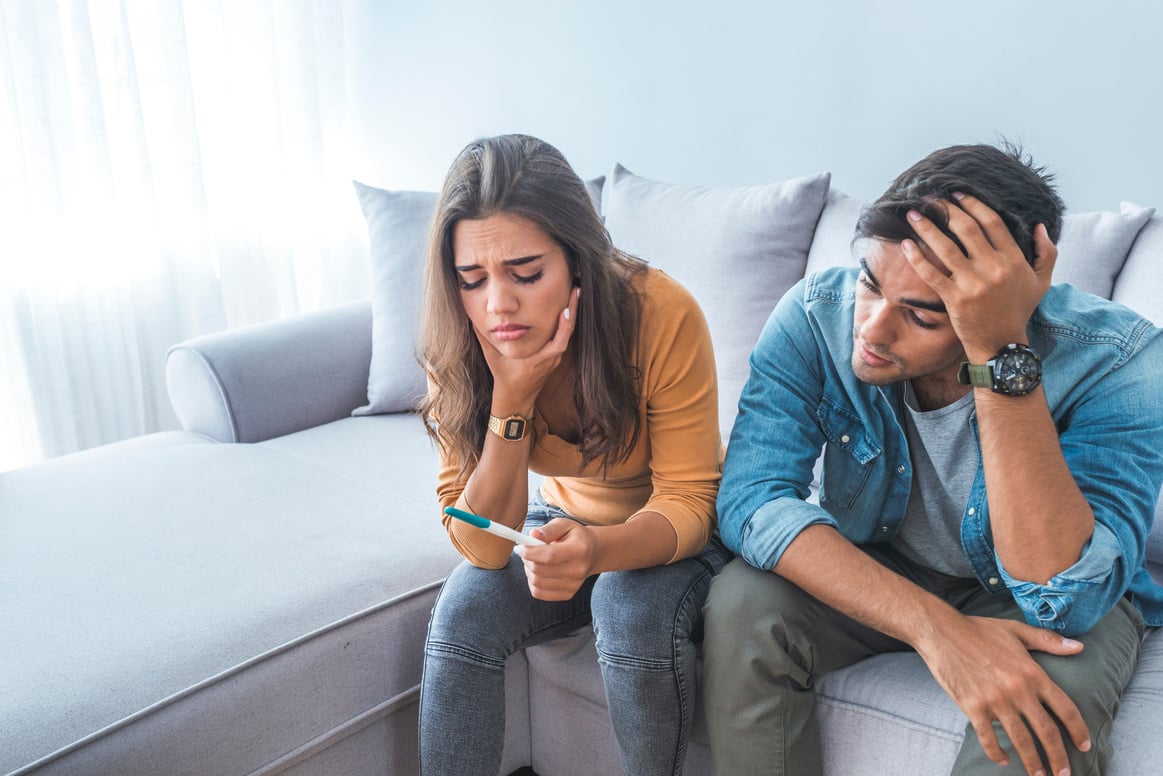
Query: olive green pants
[[767, 640]]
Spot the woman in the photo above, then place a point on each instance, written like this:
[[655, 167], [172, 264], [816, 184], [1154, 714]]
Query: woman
[[549, 350]]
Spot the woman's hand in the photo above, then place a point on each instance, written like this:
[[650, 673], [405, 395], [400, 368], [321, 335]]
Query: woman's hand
[[518, 381], [557, 570]]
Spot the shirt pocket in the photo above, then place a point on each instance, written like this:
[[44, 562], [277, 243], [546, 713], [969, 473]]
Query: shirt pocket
[[849, 455]]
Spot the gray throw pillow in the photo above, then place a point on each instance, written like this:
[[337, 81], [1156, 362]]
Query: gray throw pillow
[[832, 245], [736, 249], [397, 226], [1093, 247], [1137, 285]]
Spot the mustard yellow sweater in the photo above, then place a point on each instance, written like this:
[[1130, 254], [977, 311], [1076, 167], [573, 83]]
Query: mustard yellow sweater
[[674, 467]]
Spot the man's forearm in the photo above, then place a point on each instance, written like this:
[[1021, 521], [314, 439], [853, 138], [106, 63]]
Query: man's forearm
[[830, 568], [1039, 517]]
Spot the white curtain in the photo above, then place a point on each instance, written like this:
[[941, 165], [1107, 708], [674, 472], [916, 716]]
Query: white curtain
[[167, 168]]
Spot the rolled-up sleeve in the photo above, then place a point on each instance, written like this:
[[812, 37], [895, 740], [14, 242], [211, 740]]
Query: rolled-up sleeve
[[1072, 601], [775, 441], [1111, 442]]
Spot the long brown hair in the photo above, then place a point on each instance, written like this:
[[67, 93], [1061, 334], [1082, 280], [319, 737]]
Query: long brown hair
[[525, 176]]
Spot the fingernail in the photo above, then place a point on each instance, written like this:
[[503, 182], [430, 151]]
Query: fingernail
[[1039, 773], [957, 195], [1085, 747], [914, 215], [1070, 643], [1064, 772], [908, 246], [567, 313]]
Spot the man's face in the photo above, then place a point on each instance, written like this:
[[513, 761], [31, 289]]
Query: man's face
[[901, 330]]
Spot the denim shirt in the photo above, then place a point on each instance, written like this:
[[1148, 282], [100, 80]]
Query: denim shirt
[[1103, 381]]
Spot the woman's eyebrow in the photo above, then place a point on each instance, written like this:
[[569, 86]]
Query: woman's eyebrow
[[507, 262]]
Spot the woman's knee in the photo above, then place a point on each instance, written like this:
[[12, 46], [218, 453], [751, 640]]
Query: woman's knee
[[649, 611], [465, 609]]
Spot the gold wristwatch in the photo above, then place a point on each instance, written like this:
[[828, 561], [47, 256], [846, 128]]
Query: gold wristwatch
[[511, 429]]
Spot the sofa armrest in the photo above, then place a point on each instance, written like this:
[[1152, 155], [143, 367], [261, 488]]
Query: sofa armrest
[[266, 380]]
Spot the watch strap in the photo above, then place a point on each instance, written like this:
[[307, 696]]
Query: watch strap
[[979, 375]]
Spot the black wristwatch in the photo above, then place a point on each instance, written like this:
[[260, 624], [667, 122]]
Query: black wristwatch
[[1014, 371]]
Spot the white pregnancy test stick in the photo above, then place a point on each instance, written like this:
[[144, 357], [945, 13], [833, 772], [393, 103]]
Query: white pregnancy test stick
[[497, 529]]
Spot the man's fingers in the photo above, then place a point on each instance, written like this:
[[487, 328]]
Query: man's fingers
[[935, 276], [1046, 731], [1064, 709], [975, 222], [940, 247], [975, 237], [989, 743], [1023, 743], [1045, 640]]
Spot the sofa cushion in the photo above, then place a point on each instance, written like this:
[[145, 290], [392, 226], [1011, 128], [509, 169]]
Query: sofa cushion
[[832, 245], [223, 586], [1094, 246], [397, 225], [1137, 285], [737, 249]]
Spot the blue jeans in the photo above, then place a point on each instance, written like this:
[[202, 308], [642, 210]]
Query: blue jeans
[[645, 622]]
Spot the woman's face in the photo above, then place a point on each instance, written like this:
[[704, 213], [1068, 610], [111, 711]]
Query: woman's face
[[514, 281]]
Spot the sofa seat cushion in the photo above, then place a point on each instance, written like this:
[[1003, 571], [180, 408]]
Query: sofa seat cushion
[[210, 571]]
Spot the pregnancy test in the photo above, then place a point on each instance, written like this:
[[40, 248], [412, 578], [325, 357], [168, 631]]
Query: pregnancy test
[[497, 529]]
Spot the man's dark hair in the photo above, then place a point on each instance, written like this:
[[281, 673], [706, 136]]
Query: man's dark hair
[[1001, 177]]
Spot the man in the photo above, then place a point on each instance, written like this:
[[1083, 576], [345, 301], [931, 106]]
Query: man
[[992, 459]]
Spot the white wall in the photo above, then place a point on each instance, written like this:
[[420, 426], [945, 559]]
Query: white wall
[[751, 91]]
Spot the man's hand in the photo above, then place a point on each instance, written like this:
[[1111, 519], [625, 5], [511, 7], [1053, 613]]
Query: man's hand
[[984, 664], [989, 290], [557, 570]]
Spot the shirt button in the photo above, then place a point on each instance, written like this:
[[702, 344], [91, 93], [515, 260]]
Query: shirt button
[[845, 439], [900, 469], [993, 580], [972, 510], [884, 529]]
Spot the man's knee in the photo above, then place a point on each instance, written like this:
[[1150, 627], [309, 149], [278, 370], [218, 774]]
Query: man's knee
[[745, 601], [1096, 677]]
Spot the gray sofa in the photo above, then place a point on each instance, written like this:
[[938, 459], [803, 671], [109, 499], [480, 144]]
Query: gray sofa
[[249, 595]]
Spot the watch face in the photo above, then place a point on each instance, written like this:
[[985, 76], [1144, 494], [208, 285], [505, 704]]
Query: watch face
[[1017, 372], [514, 429]]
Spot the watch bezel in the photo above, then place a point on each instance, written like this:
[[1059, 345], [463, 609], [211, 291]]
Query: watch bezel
[[1022, 359], [512, 428], [991, 374]]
